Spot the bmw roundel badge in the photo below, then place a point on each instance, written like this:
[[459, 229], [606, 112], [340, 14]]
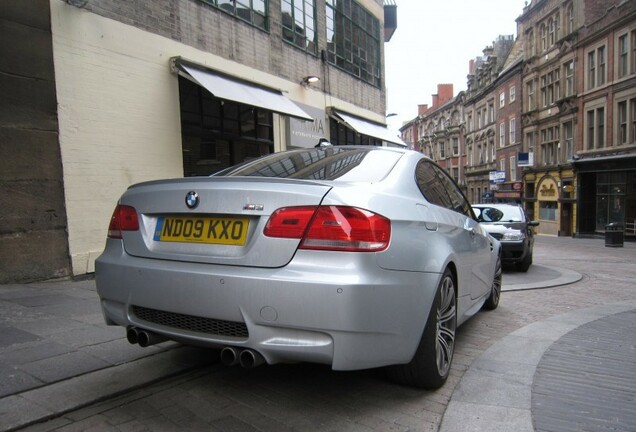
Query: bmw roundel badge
[[192, 199]]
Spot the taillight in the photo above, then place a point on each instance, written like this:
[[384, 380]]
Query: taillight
[[124, 219], [331, 228]]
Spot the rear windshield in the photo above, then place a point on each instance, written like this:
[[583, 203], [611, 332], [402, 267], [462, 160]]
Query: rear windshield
[[327, 163], [499, 214]]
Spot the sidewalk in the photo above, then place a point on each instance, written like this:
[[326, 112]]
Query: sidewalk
[[57, 355]]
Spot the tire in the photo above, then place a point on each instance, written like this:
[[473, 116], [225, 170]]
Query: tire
[[431, 363], [524, 265], [495, 292]]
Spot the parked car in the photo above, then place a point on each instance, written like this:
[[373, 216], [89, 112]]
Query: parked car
[[509, 224], [354, 257]]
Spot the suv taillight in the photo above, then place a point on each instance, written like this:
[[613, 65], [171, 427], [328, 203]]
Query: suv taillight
[[124, 219], [336, 228]]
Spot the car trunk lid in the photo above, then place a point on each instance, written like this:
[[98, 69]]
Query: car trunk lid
[[215, 220]]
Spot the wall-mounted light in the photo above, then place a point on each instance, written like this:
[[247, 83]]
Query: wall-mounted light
[[308, 80]]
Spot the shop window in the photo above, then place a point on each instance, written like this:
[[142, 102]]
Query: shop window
[[548, 210], [217, 134], [340, 134], [610, 199]]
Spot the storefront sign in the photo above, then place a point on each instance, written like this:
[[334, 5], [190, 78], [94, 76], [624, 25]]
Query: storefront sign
[[497, 176], [307, 134], [517, 186], [508, 194], [548, 190]]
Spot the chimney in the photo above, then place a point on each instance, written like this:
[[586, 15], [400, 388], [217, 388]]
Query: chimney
[[435, 101], [445, 92], [471, 67], [421, 109]]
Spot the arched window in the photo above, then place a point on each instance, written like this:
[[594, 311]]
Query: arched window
[[530, 41], [544, 38], [551, 30], [570, 18], [557, 26]]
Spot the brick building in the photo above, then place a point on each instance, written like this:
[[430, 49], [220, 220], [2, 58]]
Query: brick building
[[555, 117], [440, 130], [98, 95]]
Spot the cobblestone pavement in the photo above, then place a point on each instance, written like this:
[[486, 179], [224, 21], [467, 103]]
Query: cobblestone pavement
[[313, 398]]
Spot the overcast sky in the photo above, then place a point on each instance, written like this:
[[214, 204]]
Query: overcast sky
[[433, 43]]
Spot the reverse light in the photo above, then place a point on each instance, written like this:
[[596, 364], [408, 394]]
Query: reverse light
[[124, 219], [332, 228]]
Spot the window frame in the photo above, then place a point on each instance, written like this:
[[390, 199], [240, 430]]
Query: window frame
[[306, 16], [253, 11], [512, 130], [345, 51]]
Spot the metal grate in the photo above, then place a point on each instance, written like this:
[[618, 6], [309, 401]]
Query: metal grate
[[192, 323]]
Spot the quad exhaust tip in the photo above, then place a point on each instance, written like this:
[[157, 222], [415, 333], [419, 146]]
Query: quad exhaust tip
[[143, 338], [247, 358]]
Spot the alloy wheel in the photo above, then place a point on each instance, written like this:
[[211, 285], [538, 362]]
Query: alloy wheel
[[446, 326]]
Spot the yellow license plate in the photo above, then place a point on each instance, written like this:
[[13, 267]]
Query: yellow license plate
[[211, 230]]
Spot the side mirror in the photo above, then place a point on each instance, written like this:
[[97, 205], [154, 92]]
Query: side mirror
[[533, 223]]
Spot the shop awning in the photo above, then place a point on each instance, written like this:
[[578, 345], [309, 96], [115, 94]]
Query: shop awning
[[370, 129], [226, 88]]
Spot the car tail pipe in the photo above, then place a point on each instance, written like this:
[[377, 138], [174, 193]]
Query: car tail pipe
[[250, 359], [230, 356], [247, 358], [143, 338]]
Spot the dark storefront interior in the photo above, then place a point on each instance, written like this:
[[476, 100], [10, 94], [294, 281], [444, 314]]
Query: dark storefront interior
[[218, 133], [607, 195]]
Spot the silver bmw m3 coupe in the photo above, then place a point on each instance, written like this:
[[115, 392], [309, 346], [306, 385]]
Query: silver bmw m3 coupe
[[354, 257]]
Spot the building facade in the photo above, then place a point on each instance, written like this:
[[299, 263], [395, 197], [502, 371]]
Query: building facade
[[550, 113], [486, 115], [103, 94], [553, 119], [440, 130], [605, 161]]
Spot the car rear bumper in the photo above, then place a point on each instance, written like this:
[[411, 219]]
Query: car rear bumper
[[346, 312]]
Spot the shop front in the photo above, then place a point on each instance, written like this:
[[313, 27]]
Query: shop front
[[549, 198], [608, 194]]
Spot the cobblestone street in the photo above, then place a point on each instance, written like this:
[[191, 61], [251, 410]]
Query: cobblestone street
[[309, 397]]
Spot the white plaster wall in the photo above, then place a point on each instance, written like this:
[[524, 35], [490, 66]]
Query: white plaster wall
[[118, 113]]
